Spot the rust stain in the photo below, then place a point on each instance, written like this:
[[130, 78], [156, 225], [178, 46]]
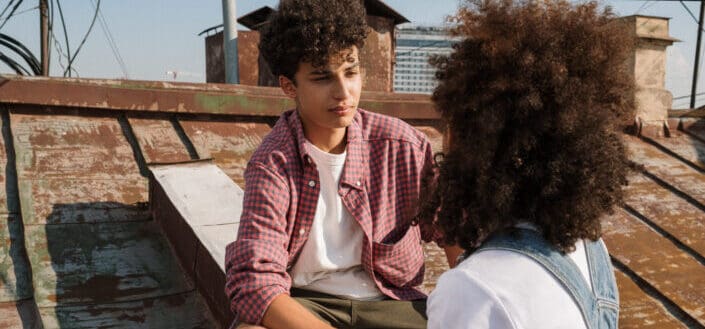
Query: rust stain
[[159, 141], [671, 271], [638, 310], [230, 144]]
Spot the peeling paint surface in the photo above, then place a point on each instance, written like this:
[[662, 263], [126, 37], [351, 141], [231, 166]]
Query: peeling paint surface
[[230, 144], [159, 141], [97, 258]]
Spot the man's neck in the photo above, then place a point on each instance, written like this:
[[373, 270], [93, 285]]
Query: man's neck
[[331, 141]]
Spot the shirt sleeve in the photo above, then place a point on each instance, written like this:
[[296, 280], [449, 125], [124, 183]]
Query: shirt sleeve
[[461, 301], [255, 264]]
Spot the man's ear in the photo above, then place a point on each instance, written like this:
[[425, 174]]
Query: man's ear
[[287, 86]]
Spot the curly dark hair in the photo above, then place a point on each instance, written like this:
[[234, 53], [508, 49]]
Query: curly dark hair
[[534, 97], [311, 31]]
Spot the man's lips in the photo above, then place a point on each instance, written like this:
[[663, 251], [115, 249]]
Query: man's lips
[[340, 109]]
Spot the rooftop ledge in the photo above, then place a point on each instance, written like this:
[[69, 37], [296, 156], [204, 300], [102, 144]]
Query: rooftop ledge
[[191, 98]]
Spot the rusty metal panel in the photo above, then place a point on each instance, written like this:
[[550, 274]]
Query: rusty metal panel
[[20, 314], [667, 168], [436, 263], [637, 310], [230, 144], [221, 99], [159, 141], [248, 57], [71, 146], [681, 219], [101, 263], [377, 56], [685, 147], [75, 169], [15, 280], [71, 201], [672, 272], [184, 310], [434, 136], [215, 58]]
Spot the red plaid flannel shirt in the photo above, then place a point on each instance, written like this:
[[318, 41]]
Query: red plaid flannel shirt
[[379, 186]]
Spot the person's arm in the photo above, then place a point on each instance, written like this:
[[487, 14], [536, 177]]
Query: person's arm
[[452, 253], [286, 313], [255, 263]]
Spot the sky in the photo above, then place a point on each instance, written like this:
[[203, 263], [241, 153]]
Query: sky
[[155, 38]]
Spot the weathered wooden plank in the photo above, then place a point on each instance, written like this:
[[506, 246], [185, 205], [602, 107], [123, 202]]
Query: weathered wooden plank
[[159, 141], [184, 310], [15, 280], [21, 314], [672, 272], [638, 310], [101, 263], [230, 144]]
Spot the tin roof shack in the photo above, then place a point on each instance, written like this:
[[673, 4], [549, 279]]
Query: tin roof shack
[[81, 238], [377, 56]]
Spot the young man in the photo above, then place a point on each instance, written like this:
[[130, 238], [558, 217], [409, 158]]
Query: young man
[[325, 236]]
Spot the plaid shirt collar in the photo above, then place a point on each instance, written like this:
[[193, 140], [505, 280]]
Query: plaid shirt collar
[[356, 160]]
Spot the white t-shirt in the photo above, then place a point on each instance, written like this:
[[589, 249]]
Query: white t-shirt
[[330, 261], [504, 289]]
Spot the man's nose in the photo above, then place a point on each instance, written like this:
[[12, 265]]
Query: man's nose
[[340, 88]]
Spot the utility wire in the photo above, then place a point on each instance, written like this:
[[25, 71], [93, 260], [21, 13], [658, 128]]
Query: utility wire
[[66, 35], [689, 12], [9, 3], [85, 37], [111, 42], [643, 6], [26, 10], [12, 12]]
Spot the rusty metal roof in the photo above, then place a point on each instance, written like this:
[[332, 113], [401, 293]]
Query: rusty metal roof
[[79, 246]]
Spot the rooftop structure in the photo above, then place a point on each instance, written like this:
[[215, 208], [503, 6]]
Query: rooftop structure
[[90, 169], [377, 56]]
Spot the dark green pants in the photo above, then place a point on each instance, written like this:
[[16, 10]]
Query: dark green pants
[[345, 313]]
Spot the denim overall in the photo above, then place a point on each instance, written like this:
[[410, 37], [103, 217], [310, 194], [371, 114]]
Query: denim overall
[[600, 307]]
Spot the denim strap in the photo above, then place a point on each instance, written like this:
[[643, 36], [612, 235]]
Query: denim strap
[[531, 244]]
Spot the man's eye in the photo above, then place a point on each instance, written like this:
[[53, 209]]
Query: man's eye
[[352, 73], [321, 78]]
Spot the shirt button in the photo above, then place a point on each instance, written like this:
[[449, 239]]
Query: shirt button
[[311, 183], [358, 183], [302, 231]]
